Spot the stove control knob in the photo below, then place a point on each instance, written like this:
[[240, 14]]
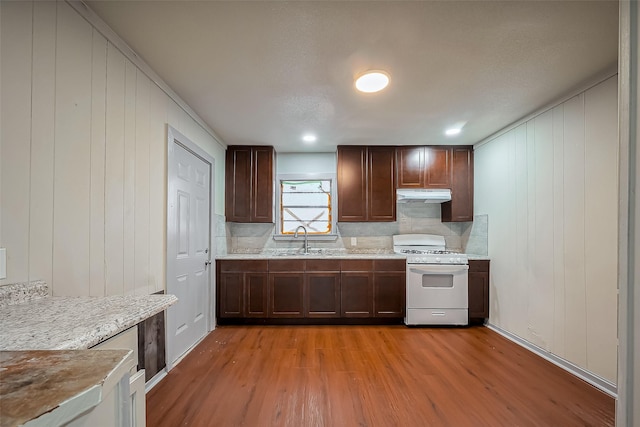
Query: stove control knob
[[452, 260], [438, 260]]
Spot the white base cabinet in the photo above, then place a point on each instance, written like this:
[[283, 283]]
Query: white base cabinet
[[128, 340]]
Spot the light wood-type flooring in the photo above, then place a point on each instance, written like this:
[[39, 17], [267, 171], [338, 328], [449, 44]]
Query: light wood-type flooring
[[374, 376]]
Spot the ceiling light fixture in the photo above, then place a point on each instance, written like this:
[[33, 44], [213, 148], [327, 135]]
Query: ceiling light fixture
[[455, 128], [309, 138], [372, 81]]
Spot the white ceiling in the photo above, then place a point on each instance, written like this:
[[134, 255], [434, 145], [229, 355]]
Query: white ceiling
[[265, 72]]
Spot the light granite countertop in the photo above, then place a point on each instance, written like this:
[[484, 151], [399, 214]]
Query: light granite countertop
[[326, 253], [74, 323], [315, 254]]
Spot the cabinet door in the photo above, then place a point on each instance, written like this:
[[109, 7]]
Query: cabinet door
[[460, 208], [478, 289], [410, 165], [322, 294], [352, 187], [262, 188], [389, 294], [286, 295], [356, 294], [381, 184], [231, 294], [478, 295], [238, 181], [438, 167], [256, 294]]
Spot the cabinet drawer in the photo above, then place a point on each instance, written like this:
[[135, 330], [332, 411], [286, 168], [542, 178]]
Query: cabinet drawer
[[286, 265], [242, 265], [480, 266], [357, 265], [323, 265], [390, 265]]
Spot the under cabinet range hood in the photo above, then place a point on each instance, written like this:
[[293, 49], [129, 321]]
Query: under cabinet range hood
[[424, 195]]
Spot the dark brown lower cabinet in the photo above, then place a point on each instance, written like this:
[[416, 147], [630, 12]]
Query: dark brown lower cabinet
[[389, 288], [478, 290], [389, 294], [286, 291], [322, 294], [356, 295], [242, 288], [286, 288], [256, 296], [311, 289]]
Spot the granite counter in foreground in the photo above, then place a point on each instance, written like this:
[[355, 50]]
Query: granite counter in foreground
[[74, 323], [50, 388]]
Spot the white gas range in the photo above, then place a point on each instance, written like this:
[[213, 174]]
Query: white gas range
[[437, 280]]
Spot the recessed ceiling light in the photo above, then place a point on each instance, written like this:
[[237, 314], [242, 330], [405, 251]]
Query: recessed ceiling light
[[372, 81], [309, 138]]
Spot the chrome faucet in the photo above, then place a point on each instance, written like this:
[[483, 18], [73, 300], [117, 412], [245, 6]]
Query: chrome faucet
[[306, 241]]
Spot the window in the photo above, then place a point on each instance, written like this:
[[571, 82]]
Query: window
[[306, 202]]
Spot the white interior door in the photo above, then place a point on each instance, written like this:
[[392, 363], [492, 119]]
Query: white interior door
[[188, 254]]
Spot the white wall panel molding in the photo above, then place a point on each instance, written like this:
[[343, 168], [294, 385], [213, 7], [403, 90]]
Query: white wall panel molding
[[42, 142], [97, 285], [121, 45], [549, 188], [130, 84], [15, 136], [114, 173], [141, 197], [72, 155], [83, 157]]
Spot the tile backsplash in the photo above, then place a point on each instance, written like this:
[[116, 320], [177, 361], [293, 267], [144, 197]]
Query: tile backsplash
[[469, 237]]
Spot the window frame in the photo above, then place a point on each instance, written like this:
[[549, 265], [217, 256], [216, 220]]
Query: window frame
[[278, 235]]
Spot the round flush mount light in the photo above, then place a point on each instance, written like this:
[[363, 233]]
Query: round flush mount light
[[309, 138], [372, 81]]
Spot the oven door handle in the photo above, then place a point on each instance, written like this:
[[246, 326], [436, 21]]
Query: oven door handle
[[440, 269]]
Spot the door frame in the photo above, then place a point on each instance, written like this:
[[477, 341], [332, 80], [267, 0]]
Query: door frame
[[174, 136]]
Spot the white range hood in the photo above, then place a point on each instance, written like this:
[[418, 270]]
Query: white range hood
[[423, 195]]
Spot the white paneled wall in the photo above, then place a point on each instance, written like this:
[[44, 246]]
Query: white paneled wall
[[83, 157], [549, 187]]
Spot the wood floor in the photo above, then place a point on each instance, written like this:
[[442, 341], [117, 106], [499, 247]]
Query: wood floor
[[370, 376]]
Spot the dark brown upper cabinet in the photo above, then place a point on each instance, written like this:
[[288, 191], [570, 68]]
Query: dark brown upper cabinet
[[440, 167], [249, 184], [366, 184], [424, 166], [460, 208], [437, 167]]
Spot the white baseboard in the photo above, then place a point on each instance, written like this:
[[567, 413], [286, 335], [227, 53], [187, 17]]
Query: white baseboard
[[155, 380], [596, 381]]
